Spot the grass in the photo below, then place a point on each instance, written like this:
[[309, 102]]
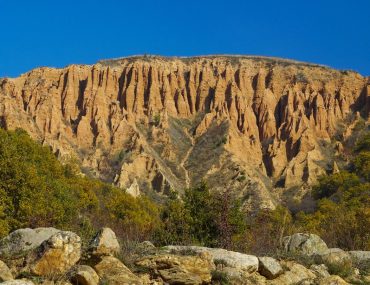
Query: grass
[[360, 282], [220, 277], [363, 266], [343, 269], [221, 262], [185, 252], [303, 259], [54, 278]]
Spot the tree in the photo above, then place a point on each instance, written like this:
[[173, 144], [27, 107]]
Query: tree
[[231, 221], [335, 183], [267, 230], [362, 164], [175, 227], [200, 204], [203, 217]]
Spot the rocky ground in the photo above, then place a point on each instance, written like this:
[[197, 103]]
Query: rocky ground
[[51, 256]]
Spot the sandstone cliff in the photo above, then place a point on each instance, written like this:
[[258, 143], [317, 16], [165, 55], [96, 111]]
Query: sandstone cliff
[[259, 126]]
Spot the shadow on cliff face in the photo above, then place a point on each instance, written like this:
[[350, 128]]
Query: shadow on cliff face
[[362, 103]]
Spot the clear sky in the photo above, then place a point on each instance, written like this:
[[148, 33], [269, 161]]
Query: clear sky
[[57, 33]]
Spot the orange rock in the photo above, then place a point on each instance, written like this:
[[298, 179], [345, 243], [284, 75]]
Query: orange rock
[[264, 116]]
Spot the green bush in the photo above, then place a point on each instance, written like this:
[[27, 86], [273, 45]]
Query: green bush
[[363, 144], [202, 217], [342, 216], [156, 120], [339, 182], [37, 190]]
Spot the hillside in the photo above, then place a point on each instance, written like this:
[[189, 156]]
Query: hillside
[[266, 128]]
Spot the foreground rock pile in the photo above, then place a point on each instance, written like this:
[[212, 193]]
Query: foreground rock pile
[[50, 256]]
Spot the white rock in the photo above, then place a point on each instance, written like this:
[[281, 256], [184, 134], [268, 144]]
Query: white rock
[[114, 272], [360, 256], [85, 275], [269, 267], [105, 243], [134, 189], [245, 262], [57, 254], [307, 244], [295, 274], [321, 270], [20, 242]]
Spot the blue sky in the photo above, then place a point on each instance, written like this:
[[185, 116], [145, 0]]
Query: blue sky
[[57, 33]]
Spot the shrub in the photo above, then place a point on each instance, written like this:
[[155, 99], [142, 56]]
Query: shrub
[[222, 141], [241, 178], [205, 218], [175, 224], [267, 229], [363, 143], [362, 164], [156, 120], [342, 217], [329, 185], [37, 190], [199, 205], [301, 77]]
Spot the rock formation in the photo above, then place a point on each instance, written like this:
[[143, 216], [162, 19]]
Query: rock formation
[[256, 125], [183, 265]]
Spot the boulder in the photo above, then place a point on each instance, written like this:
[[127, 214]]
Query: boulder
[[18, 282], [295, 274], [240, 261], [321, 270], [145, 246], [104, 243], [307, 244], [113, 272], [56, 255], [85, 275], [269, 267], [20, 242], [175, 269], [360, 256], [5, 273]]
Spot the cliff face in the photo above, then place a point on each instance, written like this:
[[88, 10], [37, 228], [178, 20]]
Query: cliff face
[[259, 126]]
